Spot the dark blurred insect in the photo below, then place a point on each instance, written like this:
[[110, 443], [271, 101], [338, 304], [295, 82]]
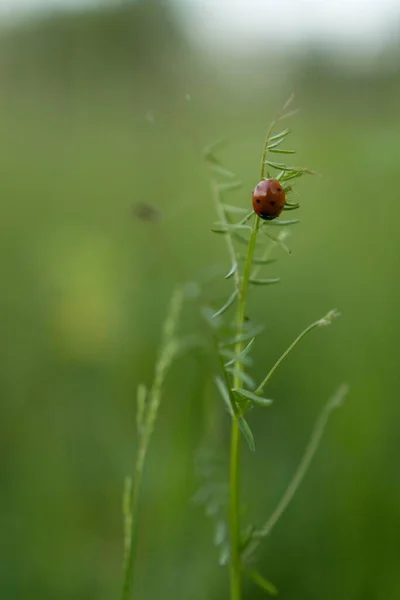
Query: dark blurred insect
[[146, 212]]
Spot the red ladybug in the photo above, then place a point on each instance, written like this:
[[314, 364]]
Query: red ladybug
[[268, 199]]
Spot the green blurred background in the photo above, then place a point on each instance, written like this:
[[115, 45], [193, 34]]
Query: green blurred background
[[102, 109]]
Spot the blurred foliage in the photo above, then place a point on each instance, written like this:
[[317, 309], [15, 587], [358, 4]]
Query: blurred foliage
[[100, 111]]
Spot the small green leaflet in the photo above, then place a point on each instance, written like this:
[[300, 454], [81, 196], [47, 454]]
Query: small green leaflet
[[247, 434], [281, 134], [241, 393], [224, 394], [232, 271], [244, 377], [227, 304], [240, 357], [264, 281], [284, 223], [263, 583]]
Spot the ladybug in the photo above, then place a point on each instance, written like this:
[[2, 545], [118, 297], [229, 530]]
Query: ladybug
[[268, 199]]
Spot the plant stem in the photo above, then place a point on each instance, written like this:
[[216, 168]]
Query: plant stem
[[130, 557], [234, 510], [234, 480]]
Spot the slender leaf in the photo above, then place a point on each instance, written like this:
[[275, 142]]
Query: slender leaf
[[233, 358], [221, 533], [247, 433], [281, 134], [264, 281], [229, 187], [240, 238], [246, 394], [242, 376], [226, 227], [227, 304], [224, 393], [282, 151], [263, 261], [263, 583], [274, 144], [284, 223], [243, 337], [224, 555], [276, 240], [247, 217], [241, 358], [289, 206], [232, 271], [229, 208], [208, 315], [246, 536], [208, 151], [275, 165], [221, 170]]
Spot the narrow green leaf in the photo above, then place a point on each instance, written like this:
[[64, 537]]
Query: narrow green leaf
[[221, 533], [247, 433], [226, 227], [275, 165], [227, 304], [289, 114], [232, 271], [276, 240], [208, 151], [284, 223], [283, 167], [263, 261], [229, 208], [233, 358], [246, 536], [229, 187], [241, 358], [221, 229], [263, 583], [221, 170], [224, 393], [224, 555], [244, 377], [240, 238], [141, 406], [247, 217], [208, 315], [285, 106], [246, 394], [264, 281], [282, 151], [290, 206], [243, 337], [275, 144], [281, 134]]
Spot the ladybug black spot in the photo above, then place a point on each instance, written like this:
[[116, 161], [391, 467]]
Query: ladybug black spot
[[272, 203], [258, 201]]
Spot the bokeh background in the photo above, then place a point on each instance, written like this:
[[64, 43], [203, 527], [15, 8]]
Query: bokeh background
[[105, 106]]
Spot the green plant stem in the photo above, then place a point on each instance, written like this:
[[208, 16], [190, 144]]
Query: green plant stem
[[234, 480], [134, 519], [146, 418], [320, 323], [234, 510], [334, 402]]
